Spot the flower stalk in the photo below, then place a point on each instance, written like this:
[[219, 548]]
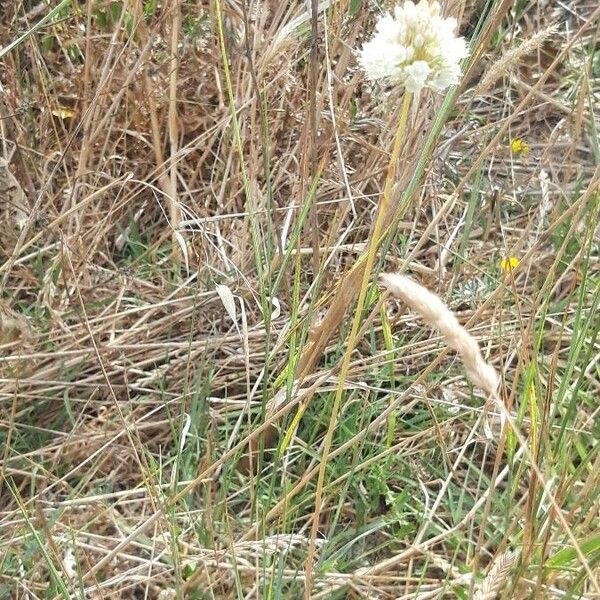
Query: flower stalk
[[377, 236]]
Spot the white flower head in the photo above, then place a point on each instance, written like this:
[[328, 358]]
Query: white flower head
[[415, 47]]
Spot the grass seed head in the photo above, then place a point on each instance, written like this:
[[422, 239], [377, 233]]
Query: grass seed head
[[436, 314]]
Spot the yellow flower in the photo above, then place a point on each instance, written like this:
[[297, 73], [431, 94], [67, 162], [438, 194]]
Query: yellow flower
[[510, 263], [63, 113], [518, 146]]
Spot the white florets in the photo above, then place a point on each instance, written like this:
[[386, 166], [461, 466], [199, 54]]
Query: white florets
[[415, 47]]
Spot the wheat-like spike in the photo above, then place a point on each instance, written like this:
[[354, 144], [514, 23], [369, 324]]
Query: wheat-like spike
[[440, 317], [492, 585], [511, 58]]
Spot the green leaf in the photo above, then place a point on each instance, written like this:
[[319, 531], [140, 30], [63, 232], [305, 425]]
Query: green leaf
[[566, 555], [354, 7]]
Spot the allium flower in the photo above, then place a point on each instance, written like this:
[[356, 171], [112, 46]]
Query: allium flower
[[415, 47]]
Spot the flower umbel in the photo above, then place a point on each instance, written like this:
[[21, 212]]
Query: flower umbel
[[415, 47]]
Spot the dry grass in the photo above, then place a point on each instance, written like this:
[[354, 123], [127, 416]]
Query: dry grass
[[183, 185]]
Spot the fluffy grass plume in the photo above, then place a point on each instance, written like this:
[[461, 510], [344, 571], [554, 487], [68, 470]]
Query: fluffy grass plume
[[436, 314]]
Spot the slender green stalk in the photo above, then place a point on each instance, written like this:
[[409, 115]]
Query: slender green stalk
[[55, 11], [257, 242], [352, 338], [389, 348]]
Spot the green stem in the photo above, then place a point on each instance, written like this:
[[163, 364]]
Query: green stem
[[376, 238], [55, 11]]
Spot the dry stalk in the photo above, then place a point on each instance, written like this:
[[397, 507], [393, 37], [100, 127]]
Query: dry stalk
[[174, 209], [435, 313], [492, 585], [342, 297]]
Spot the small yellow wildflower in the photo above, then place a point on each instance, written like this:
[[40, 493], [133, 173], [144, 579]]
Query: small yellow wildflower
[[518, 146], [510, 263], [63, 113]]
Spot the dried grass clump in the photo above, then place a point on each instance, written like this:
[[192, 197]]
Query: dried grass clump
[[123, 379], [435, 313]]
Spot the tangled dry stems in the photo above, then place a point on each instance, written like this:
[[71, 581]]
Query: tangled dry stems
[[96, 188]]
